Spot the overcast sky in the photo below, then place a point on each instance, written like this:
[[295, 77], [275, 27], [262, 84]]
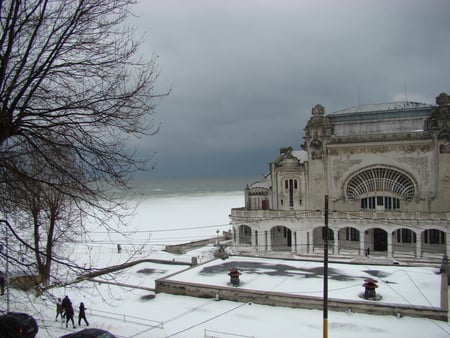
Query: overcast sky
[[244, 74]]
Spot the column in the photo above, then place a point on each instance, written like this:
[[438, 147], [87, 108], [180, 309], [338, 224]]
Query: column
[[362, 243], [268, 241], [264, 234], [419, 245], [252, 238], [336, 242], [294, 242], [308, 242], [389, 244]]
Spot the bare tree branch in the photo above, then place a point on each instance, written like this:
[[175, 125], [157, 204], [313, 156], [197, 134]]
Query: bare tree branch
[[73, 91]]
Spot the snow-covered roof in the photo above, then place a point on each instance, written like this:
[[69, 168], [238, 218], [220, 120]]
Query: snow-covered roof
[[264, 183], [301, 155], [382, 107]]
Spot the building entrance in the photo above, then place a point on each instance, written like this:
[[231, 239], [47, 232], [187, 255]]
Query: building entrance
[[379, 240]]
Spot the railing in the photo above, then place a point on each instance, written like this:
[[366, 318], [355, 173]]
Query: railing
[[213, 334], [126, 318], [261, 214]]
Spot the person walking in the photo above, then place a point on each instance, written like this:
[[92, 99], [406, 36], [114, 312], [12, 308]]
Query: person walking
[[59, 309], [68, 310], [69, 315], [65, 302], [82, 315]]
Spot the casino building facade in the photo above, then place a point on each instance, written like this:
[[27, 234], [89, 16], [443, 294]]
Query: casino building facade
[[386, 171]]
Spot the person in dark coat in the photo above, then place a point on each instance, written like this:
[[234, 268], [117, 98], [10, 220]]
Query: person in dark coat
[[82, 315], [65, 302], [59, 309], [68, 310]]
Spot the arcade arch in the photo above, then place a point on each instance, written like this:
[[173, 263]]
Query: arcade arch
[[434, 241], [281, 238], [319, 237], [349, 238]]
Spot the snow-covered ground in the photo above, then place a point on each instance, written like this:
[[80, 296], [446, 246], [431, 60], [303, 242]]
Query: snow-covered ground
[[132, 311]]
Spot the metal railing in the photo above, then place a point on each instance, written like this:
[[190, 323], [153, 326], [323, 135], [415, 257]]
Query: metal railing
[[126, 318], [369, 214], [214, 334]]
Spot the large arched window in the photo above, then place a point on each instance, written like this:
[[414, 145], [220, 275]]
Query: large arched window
[[380, 188]]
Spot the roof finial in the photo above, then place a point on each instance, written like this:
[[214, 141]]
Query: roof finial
[[318, 110]]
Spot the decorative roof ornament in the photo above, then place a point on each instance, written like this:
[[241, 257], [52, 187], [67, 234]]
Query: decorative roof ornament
[[318, 110]]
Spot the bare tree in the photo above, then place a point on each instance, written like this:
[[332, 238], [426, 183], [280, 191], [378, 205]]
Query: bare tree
[[71, 81], [73, 90], [47, 221]]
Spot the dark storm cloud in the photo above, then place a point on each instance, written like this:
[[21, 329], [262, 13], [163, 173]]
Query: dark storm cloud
[[245, 74]]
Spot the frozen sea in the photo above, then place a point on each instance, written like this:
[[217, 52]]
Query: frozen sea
[[167, 211]]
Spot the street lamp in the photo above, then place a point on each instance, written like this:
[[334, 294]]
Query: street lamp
[[325, 273]]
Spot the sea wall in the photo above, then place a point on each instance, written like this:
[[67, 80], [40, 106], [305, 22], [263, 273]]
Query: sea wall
[[184, 247]]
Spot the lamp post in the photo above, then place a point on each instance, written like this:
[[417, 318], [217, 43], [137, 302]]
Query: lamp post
[[325, 273]]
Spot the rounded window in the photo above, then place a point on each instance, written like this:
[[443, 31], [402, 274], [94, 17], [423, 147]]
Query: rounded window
[[379, 181]]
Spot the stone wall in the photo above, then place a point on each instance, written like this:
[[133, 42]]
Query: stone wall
[[184, 247], [165, 285]]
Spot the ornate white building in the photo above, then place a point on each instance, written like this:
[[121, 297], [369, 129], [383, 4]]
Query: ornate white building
[[386, 170]]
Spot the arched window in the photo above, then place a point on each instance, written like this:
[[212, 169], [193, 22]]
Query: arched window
[[406, 236], [245, 234], [290, 186], [380, 187], [433, 236]]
